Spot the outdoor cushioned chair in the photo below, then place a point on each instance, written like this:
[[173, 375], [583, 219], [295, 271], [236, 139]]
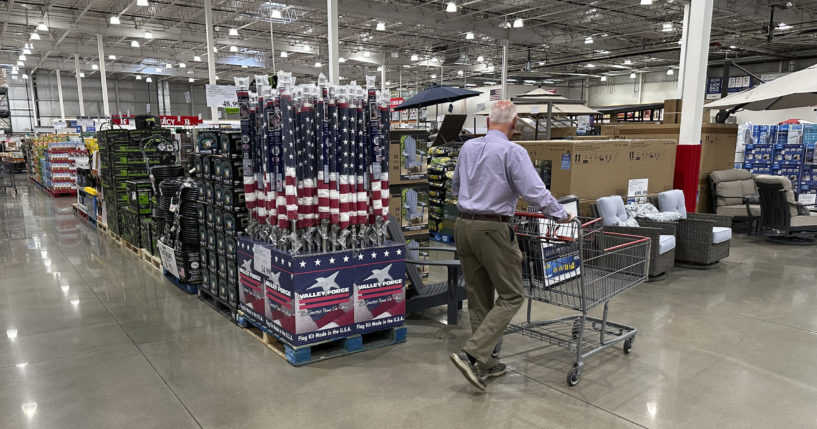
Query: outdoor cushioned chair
[[662, 235], [781, 213], [734, 194], [703, 239], [414, 207]]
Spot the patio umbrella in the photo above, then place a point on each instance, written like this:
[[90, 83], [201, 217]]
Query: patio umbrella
[[798, 89], [435, 95]]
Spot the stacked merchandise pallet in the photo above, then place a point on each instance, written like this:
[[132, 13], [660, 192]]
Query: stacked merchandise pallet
[[782, 150], [442, 203], [314, 267], [122, 161], [59, 169], [410, 202], [222, 215]]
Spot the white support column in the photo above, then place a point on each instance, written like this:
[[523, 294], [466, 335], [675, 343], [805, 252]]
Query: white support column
[[332, 38], [383, 79], [272, 43], [211, 56], [33, 101], [694, 70], [640, 88], [59, 95], [103, 76], [79, 85], [682, 63], [505, 70]]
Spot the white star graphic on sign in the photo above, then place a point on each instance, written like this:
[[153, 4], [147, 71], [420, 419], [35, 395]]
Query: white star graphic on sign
[[386, 253], [381, 275], [345, 259], [276, 259], [325, 283], [317, 262], [303, 264], [399, 252], [360, 256], [290, 264], [331, 260], [374, 255]]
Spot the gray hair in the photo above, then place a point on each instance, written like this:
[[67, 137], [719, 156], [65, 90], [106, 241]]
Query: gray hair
[[502, 112]]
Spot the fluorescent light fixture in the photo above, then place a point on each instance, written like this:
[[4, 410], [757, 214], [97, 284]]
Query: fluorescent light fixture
[[159, 70], [11, 333], [28, 46], [588, 40], [784, 26], [22, 57], [480, 59], [670, 72], [25, 76], [30, 408], [134, 44], [168, 66], [469, 35], [233, 48], [414, 57], [604, 79], [149, 79], [42, 26], [459, 73], [81, 74], [216, 77], [148, 34], [518, 23], [13, 77], [276, 14], [590, 65], [138, 77], [646, 2], [388, 82], [244, 66], [233, 32], [284, 54], [115, 20], [627, 62], [307, 48], [94, 67], [367, 54], [142, 3], [196, 58], [451, 7], [666, 27], [341, 60], [22, 364], [215, 49], [379, 68], [632, 75], [380, 26], [191, 80], [14, 71], [74, 302], [434, 76], [732, 47], [35, 36], [20, 63], [111, 57], [318, 64], [182, 65]]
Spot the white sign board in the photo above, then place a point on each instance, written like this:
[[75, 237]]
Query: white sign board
[[187, 97], [637, 190], [44, 130], [85, 122], [168, 259], [221, 96], [807, 199]]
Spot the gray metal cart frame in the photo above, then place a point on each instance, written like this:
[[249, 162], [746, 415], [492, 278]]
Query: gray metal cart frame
[[578, 266], [7, 176]]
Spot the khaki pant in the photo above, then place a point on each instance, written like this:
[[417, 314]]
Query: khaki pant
[[491, 262]]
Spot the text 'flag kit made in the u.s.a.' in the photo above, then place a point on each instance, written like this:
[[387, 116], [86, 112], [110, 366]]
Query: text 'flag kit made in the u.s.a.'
[[315, 264]]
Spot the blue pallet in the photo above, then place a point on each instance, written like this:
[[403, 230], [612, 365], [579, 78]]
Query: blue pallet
[[442, 238], [186, 287], [302, 355]]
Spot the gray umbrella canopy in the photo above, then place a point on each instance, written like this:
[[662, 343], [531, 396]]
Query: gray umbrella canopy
[[798, 89], [436, 95]]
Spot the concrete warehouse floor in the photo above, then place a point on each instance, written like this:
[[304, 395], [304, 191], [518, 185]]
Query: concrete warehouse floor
[[96, 339]]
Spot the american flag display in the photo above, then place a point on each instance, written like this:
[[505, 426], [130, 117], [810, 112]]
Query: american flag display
[[319, 170]]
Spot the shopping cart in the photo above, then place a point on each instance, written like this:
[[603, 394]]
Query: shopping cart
[[578, 266], [7, 175]]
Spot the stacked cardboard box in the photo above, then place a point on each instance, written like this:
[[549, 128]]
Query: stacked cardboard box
[[409, 182], [672, 111]]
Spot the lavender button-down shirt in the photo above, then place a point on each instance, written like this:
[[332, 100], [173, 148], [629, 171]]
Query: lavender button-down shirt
[[493, 173]]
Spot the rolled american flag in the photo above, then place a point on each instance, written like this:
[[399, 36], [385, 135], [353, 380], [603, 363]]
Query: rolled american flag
[[273, 143], [322, 138], [288, 152], [332, 161], [385, 126], [361, 162], [344, 179]]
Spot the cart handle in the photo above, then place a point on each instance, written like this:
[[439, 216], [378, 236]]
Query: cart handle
[[542, 216], [640, 240]]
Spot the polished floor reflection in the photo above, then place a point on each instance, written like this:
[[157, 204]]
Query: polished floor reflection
[[95, 339]]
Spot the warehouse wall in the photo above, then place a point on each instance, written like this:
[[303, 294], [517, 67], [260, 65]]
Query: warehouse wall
[[621, 90]]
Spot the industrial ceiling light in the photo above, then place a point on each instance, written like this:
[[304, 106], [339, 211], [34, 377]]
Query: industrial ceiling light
[[233, 48], [216, 77], [244, 66], [451, 7], [115, 20], [25, 76], [148, 34], [627, 62], [215, 49], [434, 76], [182, 65], [590, 65], [670, 72], [42, 26], [20, 63], [276, 14], [14, 71], [284, 54], [480, 59], [138, 77], [732, 47], [646, 2], [367, 54], [191, 80], [142, 3], [459, 73], [307, 48], [233, 32], [632, 75], [784, 26], [518, 23], [149, 79], [380, 68], [196, 58], [588, 40], [22, 57], [168, 66], [414, 57], [35, 36], [341, 60], [134, 44], [469, 35], [666, 27], [81, 74], [318, 64], [13, 77], [112, 57], [603, 79], [159, 70], [380, 26], [28, 46], [94, 67]]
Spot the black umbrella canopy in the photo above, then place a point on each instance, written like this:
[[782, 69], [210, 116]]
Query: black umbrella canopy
[[435, 95]]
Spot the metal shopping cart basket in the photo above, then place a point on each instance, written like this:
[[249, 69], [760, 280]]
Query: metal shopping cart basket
[[578, 266]]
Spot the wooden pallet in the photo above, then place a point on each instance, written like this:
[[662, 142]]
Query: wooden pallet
[[302, 355], [102, 226], [218, 304], [153, 261], [135, 249]]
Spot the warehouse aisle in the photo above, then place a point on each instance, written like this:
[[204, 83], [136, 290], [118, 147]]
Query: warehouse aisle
[[95, 339]]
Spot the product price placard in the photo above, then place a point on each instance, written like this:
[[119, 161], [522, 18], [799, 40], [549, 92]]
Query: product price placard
[[168, 259], [221, 96]]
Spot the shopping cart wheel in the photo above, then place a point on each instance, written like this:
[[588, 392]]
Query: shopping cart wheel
[[628, 344], [574, 375]]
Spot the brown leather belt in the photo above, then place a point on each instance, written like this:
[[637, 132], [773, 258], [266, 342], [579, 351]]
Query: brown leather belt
[[485, 217]]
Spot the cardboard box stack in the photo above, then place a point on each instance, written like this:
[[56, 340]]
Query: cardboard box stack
[[672, 111], [408, 181]]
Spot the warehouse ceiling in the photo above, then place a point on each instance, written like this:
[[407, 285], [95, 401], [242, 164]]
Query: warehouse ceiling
[[417, 41]]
